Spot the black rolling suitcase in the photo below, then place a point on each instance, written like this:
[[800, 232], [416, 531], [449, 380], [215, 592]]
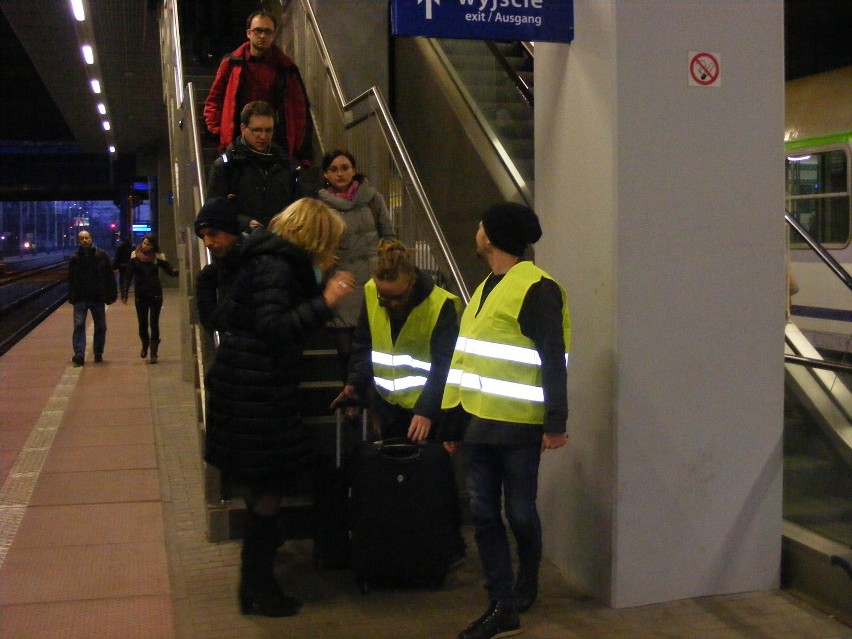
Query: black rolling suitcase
[[332, 548], [402, 514]]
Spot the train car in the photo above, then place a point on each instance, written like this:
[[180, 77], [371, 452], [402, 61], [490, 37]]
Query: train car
[[818, 145]]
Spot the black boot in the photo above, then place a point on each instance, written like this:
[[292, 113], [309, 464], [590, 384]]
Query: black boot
[[144, 352], [155, 346], [498, 621], [526, 587], [259, 591]]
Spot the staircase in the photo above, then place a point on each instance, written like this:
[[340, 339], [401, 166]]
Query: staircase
[[817, 481], [322, 381]]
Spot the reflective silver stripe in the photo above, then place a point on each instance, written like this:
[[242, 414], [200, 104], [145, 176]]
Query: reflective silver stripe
[[496, 350], [401, 384], [502, 388], [454, 376], [499, 351], [399, 361]]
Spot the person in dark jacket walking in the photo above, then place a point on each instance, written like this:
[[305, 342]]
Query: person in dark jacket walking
[[254, 170], [254, 433], [145, 265], [91, 285], [122, 259]]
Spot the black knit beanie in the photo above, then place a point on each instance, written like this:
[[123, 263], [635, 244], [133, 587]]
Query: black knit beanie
[[218, 213], [511, 227]]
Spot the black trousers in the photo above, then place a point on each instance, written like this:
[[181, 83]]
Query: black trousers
[[148, 315]]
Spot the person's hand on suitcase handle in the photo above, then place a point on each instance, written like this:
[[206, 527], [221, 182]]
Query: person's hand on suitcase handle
[[349, 400], [419, 429]]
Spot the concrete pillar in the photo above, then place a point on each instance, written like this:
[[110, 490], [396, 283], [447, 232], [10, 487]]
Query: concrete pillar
[[662, 206]]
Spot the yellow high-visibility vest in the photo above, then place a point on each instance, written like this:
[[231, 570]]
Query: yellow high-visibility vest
[[496, 370], [400, 368]]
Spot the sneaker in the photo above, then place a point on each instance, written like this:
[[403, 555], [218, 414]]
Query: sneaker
[[98, 358], [498, 621], [77, 360]]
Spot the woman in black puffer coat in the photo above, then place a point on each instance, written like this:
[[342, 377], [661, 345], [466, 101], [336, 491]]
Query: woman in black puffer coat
[[254, 432]]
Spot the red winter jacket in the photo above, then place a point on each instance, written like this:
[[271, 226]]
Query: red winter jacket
[[286, 94]]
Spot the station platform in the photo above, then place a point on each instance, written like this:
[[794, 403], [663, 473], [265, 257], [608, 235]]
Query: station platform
[[103, 530]]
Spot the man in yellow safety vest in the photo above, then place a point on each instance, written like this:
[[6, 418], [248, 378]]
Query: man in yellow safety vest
[[507, 388]]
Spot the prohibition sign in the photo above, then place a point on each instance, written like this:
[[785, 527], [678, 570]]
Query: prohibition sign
[[704, 70]]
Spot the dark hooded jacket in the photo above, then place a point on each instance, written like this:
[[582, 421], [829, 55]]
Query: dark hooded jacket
[[260, 183], [254, 431]]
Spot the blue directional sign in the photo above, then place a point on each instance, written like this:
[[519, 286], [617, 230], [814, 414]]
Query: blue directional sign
[[536, 20]]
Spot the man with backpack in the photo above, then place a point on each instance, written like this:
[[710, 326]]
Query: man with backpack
[[253, 171]]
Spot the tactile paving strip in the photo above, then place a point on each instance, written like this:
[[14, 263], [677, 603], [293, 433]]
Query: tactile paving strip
[[19, 485]]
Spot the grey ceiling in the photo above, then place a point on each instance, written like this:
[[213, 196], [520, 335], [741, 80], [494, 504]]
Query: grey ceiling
[[127, 44]]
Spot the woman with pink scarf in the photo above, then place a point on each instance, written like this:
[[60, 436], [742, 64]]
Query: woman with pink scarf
[[144, 268], [367, 221]]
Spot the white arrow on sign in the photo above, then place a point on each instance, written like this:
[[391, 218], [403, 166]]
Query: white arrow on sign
[[429, 7]]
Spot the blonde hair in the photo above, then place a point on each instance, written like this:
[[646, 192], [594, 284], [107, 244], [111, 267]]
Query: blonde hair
[[394, 262], [312, 225]]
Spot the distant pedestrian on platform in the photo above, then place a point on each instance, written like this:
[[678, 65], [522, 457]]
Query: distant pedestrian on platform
[[122, 259], [91, 286], [145, 265]]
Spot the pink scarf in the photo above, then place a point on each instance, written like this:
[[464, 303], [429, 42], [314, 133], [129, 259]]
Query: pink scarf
[[349, 194], [145, 257]]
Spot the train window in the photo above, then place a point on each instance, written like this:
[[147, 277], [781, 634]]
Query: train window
[[818, 197]]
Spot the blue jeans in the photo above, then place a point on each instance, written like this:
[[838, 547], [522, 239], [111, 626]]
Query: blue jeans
[[98, 309], [490, 471]]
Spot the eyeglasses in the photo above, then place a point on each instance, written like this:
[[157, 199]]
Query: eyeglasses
[[259, 32], [384, 300], [260, 131]]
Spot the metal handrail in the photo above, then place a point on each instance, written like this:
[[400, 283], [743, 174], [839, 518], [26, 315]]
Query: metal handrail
[[818, 363], [521, 84], [817, 248], [397, 178]]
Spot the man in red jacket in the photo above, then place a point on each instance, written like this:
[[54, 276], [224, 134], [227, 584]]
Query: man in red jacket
[[259, 70]]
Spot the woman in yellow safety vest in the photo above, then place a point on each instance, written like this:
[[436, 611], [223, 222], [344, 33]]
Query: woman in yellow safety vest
[[402, 346]]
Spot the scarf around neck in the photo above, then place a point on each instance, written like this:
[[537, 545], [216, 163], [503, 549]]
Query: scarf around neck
[[348, 194], [145, 257]]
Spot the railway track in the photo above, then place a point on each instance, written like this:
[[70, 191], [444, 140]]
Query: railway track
[[27, 298]]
